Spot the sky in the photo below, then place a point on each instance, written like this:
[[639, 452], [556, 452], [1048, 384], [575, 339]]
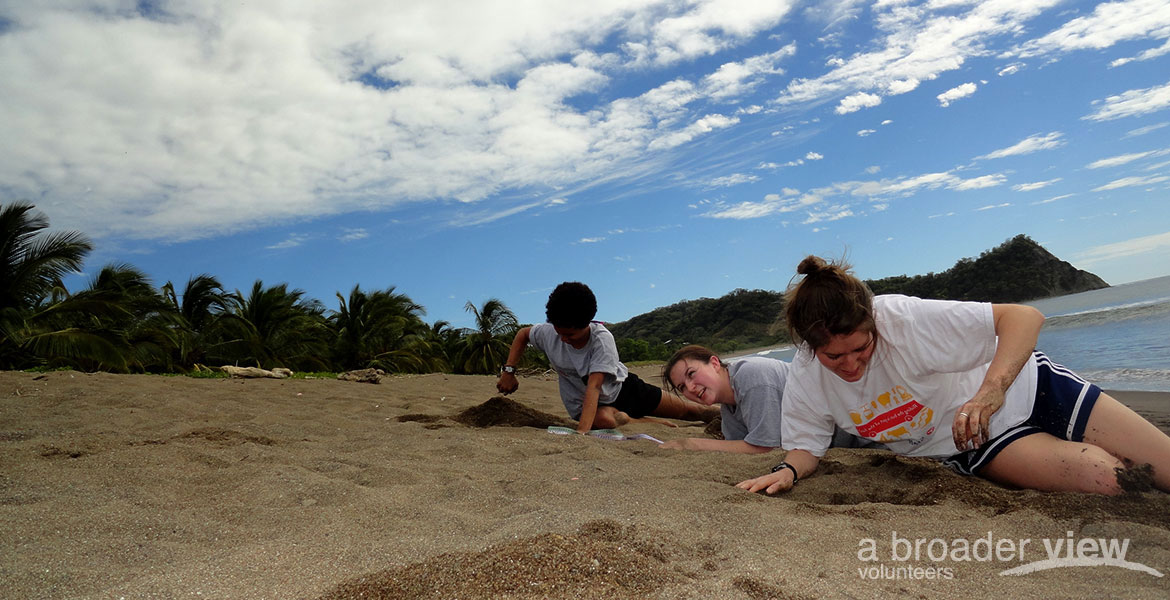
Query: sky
[[657, 150]]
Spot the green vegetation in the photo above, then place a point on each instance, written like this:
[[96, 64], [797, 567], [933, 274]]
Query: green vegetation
[[1016, 271], [122, 323]]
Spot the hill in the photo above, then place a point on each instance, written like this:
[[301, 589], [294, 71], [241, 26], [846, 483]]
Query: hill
[[1016, 271]]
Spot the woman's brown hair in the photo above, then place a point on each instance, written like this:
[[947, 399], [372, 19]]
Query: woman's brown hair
[[828, 301], [691, 352]]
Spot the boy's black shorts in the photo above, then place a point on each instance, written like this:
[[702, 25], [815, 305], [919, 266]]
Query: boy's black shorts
[[637, 397]]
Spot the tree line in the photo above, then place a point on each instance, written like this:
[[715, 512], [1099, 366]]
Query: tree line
[[1017, 270], [121, 323]]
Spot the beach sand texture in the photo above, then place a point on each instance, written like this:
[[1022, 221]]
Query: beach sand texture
[[130, 486]]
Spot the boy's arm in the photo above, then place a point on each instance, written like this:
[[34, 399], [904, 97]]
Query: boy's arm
[[738, 446], [507, 383], [589, 403]]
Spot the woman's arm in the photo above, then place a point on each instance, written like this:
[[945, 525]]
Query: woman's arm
[[1016, 327], [738, 446], [803, 461]]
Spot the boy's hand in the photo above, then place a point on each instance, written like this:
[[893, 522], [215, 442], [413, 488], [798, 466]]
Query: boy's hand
[[507, 383]]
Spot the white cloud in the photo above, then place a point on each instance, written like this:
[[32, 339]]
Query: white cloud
[[703, 125], [1053, 199], [1123, 159], [1029, 145], [865, 132], [956, 93], [833, 201], [1110, 23], [979, 183], [887, 121], [1150, 54], [1125, 182], [1011, 69], [1035, 185], [1146, 129], [276, 112], [857, 102], [813, 156], [732, 180], [293, 240], [738, 78], [994, 206], [920, 43], [590, 240], [704, 30], [1151, 243], [1133, 103], [353, 235]]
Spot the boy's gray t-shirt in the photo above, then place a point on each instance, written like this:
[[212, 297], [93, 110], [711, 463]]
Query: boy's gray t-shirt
[[600, 355], [758, 384]]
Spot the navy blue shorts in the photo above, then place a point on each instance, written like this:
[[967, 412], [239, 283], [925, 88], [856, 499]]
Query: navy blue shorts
[[1063, 404]]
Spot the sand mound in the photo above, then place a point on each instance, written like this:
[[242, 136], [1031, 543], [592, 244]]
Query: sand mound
[[602, 560], [502, 412]]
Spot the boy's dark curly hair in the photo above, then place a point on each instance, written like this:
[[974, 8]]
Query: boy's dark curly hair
[[572, 304]]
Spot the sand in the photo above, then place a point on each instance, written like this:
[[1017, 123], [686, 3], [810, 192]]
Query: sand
[[131, 486]]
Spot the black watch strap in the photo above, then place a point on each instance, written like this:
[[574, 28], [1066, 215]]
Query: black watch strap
[[509, 369], [785, 465]]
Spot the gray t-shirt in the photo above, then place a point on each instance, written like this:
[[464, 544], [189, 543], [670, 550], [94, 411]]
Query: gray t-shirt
[[758, 383], [600, 355]]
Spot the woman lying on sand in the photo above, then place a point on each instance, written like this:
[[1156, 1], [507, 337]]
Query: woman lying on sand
[[958, 381], [749, 392]]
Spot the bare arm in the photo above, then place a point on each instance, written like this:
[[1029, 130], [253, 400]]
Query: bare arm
[[507, 383], [589, 404], [805, 463], [1017, 327], [738, 446]]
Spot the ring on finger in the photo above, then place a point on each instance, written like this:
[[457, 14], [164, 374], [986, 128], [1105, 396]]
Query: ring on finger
[[964, 414]]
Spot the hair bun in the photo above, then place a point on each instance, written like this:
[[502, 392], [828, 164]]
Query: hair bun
[[810, 265]]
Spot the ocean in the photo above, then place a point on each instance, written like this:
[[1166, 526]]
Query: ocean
[[1117, 337]]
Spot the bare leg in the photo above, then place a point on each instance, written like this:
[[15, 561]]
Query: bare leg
[[1126, 435], [609, 417], [1044, 462], [673, 407]]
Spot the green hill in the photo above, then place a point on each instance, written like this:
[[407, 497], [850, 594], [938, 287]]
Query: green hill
[[1016, 271]]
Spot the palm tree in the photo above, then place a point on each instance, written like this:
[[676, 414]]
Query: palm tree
[[382, 329], [201, 309], [32, 264], [276, 327], [485, 347]]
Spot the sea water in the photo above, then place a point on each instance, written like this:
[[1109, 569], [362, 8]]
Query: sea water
[[1117, 337]]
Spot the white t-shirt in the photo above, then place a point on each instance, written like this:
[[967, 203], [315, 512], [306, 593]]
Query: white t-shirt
[[930, 359], [600, 355]]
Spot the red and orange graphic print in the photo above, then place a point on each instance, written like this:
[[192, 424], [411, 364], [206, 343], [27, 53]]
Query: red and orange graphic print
[[893, 417]]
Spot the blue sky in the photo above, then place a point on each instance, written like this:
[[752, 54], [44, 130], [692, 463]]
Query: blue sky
[[657, 150]]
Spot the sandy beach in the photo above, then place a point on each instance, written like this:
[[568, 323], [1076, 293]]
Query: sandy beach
[[132, 486]]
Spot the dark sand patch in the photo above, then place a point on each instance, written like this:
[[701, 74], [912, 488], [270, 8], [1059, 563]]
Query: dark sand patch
[[603, 560], [503, 412]]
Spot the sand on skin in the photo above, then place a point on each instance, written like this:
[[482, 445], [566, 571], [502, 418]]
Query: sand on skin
[[168, 487]]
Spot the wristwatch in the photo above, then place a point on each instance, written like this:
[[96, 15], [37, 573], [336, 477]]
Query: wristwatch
[[509, 369], [785, 465]]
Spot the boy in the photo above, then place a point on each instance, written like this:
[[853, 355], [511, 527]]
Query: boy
[[596, 388]]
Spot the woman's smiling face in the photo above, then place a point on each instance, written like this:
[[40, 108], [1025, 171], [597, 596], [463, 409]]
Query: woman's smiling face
[[847, 356], [705, 382]]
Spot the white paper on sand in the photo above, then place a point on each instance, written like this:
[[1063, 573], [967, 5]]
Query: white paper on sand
[[605, 434]]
